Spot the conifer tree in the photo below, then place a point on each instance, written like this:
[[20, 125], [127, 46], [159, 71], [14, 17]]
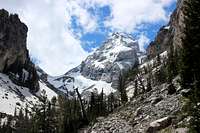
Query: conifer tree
[[149, 88], [122, 89], [158, 61], [136, 88], [111, 102], [20, 122], [172, 63]]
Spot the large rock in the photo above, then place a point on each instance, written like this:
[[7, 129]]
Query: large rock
[[159, 124], [14, 56]]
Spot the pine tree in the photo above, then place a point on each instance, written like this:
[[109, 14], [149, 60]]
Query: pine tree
[[172, 64], [20, 122], [136, 88], [160, 75], [149, 88], [111, 100], [102, 104], [122, 89], [158, 60], [93, 106]]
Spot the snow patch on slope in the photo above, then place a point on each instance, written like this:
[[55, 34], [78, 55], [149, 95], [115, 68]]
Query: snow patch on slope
[[76, 80], [84, 83], [13, 96], [50, 93]]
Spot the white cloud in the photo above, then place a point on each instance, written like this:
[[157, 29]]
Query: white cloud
[[143, 40], [58, 47], [128, 14], [86, 20], [49, 37]]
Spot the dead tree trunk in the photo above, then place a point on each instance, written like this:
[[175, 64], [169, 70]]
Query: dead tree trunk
[[82, 106]]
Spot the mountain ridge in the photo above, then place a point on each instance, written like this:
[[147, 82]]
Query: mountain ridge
[[102, 67]]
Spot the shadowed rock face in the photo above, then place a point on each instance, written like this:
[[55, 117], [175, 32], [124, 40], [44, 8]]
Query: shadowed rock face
[[12, 41], [14, 57], [171, 34], [162, 42]]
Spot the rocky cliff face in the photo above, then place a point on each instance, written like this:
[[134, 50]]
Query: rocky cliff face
[[178, 24], [171, 34], [162, 41], [14, 56]]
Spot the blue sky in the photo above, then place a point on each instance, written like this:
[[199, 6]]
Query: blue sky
[[93, 40], [62, 33]]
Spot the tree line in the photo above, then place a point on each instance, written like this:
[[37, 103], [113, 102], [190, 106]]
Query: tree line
[[62, 114]]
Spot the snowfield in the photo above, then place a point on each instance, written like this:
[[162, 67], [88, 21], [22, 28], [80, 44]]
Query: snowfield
[[76, 80], [50, 93], [13, 96]]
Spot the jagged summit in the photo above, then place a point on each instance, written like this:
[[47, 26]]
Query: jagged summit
[[121, 38], [114, 49]]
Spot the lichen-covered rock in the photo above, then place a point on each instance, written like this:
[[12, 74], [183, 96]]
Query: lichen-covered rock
[[14, 56]]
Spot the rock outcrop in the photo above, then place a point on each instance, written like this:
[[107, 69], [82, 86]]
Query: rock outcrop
[[14, 56], [171, 34], [161, 43], [159, 124]]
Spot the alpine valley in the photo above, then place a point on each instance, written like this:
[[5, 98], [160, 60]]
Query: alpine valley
[[118, 88]]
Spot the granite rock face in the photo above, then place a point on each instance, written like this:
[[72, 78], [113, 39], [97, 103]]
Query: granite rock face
[[14, 56], [171, 34]]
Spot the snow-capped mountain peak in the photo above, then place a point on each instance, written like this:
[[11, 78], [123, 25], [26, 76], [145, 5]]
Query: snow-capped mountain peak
[[102, 68]]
